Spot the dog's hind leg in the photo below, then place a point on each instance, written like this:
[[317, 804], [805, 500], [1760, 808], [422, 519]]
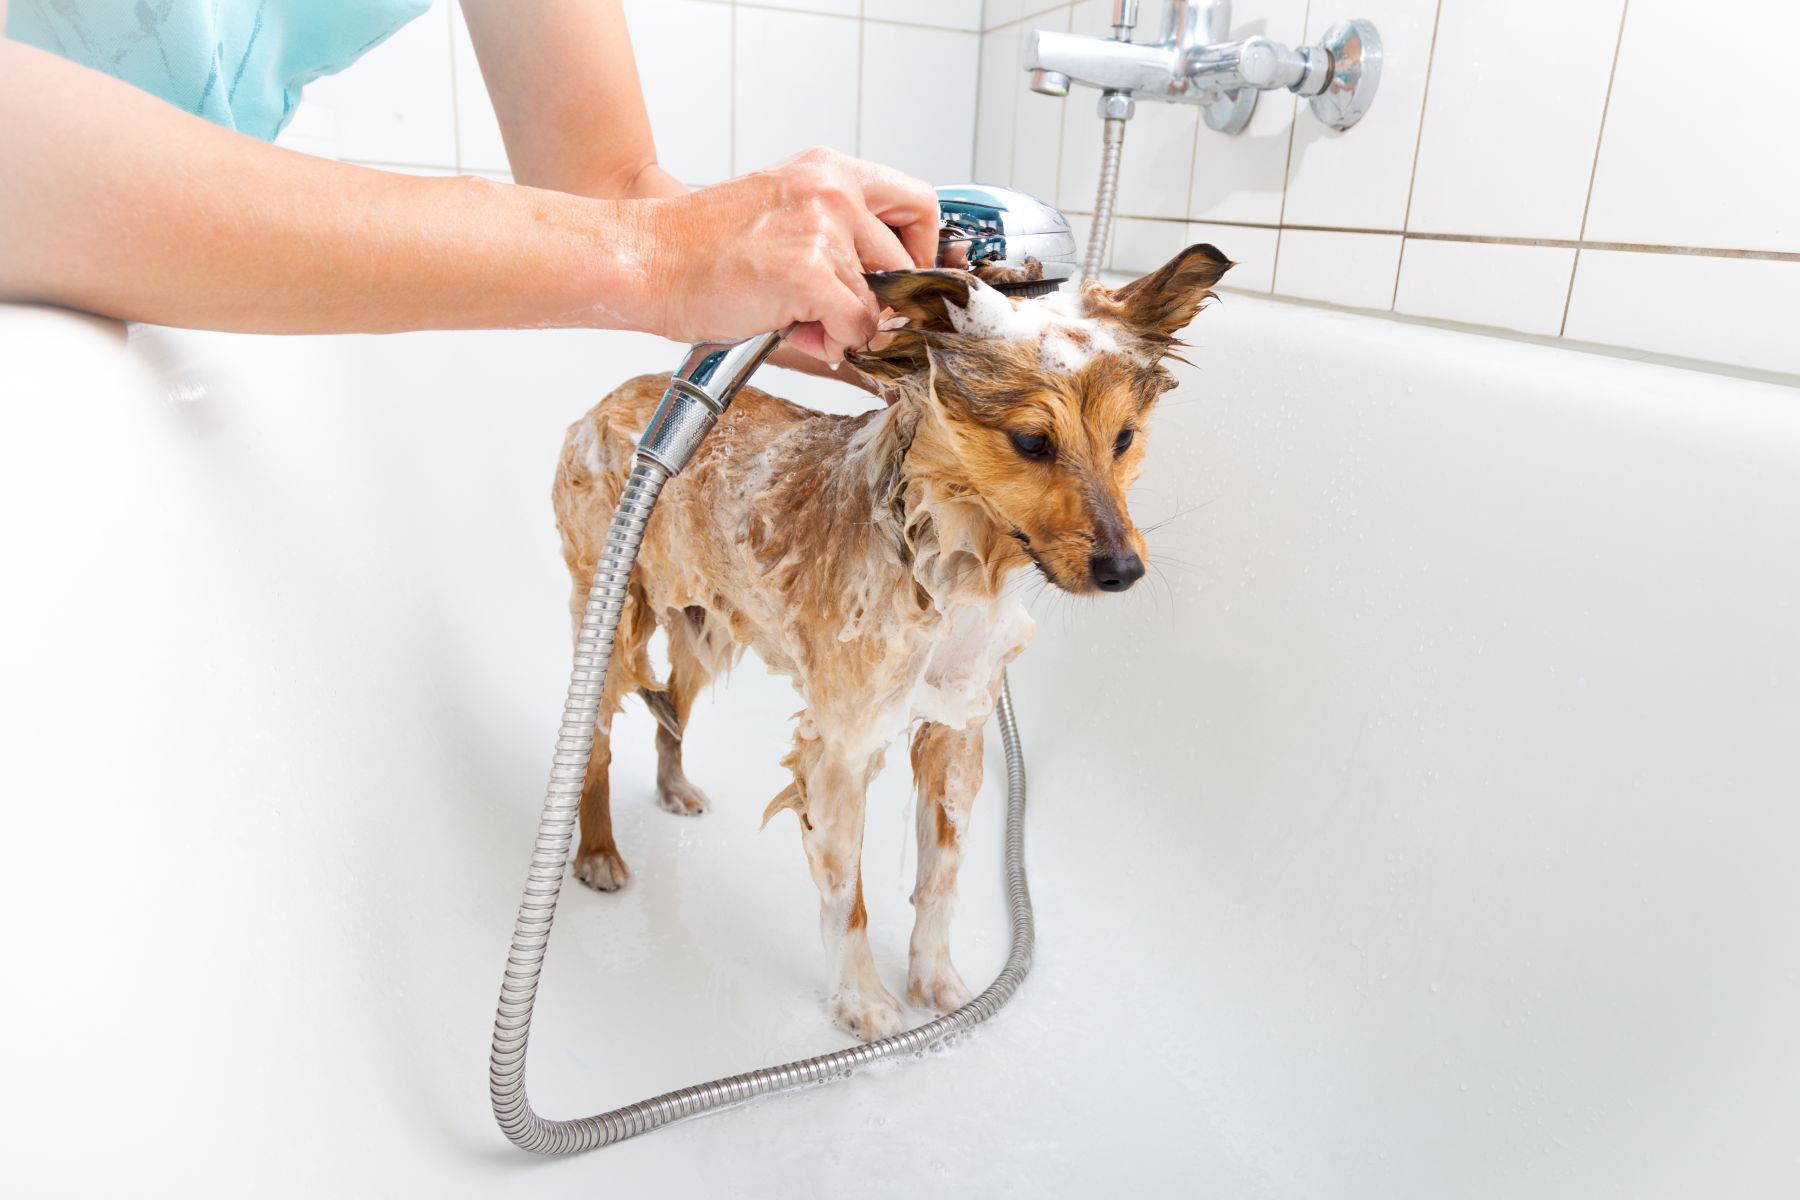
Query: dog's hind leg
[[828, 794], [947, 773], [687, 675]]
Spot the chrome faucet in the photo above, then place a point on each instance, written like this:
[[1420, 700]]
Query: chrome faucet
[[1193, 62]]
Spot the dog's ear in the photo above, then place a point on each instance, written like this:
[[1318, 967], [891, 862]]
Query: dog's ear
[[922, 296], [920, 302], [1160, 305]]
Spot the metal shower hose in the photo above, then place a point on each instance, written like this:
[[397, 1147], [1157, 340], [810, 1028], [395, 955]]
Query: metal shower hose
[[556, 828], [1112, 146]]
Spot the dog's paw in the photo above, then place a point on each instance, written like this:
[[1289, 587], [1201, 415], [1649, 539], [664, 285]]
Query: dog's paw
[[603, 870], [867, 1016], [682, 798], [938, 987]]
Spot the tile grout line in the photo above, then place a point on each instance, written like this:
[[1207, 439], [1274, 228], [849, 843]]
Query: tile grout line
[[1287, 164], [980, 73], [1481, 239], [455, 106], [1594, 171], [1187, 205], [1412, 180], [1012, 144], [858, 16], [731, 86], [1062, 113], [861, 26], [1030, 17]]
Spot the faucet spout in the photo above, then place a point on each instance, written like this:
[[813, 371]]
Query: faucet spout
[[1194, 62], [1104, 63]]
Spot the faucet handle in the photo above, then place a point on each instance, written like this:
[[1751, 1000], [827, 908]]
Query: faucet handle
[[1353, 51]]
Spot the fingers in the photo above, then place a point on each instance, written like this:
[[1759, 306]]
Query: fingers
[[877, 246], [847, 310], [906, 204], [879, 249], [808, 337]]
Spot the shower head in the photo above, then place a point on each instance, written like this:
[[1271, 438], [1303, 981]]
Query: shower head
[[1016, 243]]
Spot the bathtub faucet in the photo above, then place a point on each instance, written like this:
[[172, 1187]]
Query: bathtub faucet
[[1194, 62]]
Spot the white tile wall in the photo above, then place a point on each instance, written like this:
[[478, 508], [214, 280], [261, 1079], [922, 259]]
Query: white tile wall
[[1241, 178], [1139, 246], [395, 105], [995, 13], [944, 14], [918, 99], [691, 124], [1737, 310], [795, 84], [1037, 127], [1156, 166], [842, 8], [1519, 168], [1356, 270], [1078, 154], [997, 102], [1591, 197], [1001, 12], [1709, 165], [1359, 179], [1531, 166], [781, 76], [1522, 288], [479, 146], [1253, 248]]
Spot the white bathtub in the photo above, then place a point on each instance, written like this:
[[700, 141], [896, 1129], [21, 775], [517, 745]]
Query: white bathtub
[[1431, 832]]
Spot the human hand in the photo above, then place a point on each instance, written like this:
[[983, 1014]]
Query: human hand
[[786, 249]]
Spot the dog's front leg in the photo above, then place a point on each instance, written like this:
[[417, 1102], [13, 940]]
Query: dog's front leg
[[830, 788], [947, 773]]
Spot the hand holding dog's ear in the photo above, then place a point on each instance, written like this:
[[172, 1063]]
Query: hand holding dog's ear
[[914, 303], [1161, 304], [922, 297]]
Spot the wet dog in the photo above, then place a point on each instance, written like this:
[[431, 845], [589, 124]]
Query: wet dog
[[865, 558]]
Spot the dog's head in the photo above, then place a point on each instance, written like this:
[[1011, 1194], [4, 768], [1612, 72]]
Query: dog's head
[[1039, 405]]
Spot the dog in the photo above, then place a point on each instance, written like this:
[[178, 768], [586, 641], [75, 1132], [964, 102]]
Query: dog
[[865, 557]]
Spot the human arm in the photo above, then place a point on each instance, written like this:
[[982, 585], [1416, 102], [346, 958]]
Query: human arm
[[566, 90], [565, 87], [115, 202]]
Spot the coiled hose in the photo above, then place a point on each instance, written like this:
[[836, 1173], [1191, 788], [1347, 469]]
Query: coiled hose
[[556, 829], [1112, 144]]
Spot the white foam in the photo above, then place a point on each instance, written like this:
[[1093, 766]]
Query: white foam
[[1067, 339]]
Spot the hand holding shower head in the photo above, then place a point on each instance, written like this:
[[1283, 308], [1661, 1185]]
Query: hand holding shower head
[[1020, 244]]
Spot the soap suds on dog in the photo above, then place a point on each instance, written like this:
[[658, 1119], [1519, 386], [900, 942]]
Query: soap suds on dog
[[1067, 337]]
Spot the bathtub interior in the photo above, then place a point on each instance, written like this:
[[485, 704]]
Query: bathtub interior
[[1422, 827]]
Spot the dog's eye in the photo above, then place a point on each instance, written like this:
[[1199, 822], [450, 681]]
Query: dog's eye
[[1122, 443], [1031, 445]]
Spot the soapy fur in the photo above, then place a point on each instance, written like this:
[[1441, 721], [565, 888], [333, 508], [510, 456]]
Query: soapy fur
[[865, 559]]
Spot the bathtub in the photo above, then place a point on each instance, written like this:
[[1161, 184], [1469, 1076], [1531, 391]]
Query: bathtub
[[1425, 826]]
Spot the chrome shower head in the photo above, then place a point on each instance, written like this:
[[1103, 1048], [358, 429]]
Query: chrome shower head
[[1015, 242]]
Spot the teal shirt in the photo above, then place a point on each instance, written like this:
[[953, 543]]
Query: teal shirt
[[240, 63]]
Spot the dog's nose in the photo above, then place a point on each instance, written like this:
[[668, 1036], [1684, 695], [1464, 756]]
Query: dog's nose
[[1115, 572]]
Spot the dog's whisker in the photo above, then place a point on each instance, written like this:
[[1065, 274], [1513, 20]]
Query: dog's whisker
[[1176, 516]]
